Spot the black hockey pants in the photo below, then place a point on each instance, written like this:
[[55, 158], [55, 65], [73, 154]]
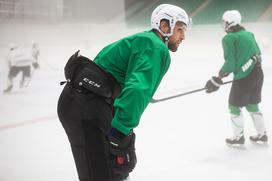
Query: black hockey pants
[[249, 89], [86, 118]]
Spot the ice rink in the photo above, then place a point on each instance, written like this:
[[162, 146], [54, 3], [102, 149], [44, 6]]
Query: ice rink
[[177, 140]]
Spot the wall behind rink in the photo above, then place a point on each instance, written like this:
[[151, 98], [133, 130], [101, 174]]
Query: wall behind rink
[[31, 10], [97, 11]]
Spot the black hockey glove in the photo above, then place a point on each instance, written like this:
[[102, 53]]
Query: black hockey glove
[[35, 65], [122, 151], [213, 84]]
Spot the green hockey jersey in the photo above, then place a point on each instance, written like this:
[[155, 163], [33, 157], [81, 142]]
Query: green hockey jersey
[[138, 63], [238, 48]]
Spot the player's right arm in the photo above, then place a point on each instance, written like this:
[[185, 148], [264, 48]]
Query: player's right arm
[[144, 74], [228, 44]]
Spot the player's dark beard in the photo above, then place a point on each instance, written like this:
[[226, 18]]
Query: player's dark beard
[[172, 46]]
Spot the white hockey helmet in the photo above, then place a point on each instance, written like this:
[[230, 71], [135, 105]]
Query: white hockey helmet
[[34, 43], [231, 18], [13, 46], [171, 13]]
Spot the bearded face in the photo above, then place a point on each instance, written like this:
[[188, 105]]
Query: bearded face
[[178, 36]]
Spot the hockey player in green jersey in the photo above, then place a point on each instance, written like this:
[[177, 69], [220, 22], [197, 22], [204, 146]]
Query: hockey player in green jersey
[[104, 99], [242, 58]]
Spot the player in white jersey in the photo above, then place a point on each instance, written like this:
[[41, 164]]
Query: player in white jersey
[[18, 61]]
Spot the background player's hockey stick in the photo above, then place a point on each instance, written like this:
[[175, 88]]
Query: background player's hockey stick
[[182, 94]]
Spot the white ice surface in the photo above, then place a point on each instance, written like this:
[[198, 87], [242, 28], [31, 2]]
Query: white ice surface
[[180, 139]]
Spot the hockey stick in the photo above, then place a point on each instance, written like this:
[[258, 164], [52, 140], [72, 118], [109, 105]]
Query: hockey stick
[[182, 94], [30, 78]]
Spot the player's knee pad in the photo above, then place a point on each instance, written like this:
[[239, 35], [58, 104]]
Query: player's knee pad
[[234, 110]]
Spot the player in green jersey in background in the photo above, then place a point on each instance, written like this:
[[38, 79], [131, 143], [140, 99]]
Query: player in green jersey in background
[[242, 58], [104, 99]]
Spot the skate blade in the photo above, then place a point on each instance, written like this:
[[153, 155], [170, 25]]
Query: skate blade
[[236, 146], [260, 143], [6, 92]]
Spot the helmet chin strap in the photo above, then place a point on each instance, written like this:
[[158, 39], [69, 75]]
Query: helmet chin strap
[[228, 26], [165, 37], [166, 40]]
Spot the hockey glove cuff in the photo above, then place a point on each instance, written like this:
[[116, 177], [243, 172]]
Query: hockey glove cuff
[[213, 84], [223, 74], [122, 152]]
